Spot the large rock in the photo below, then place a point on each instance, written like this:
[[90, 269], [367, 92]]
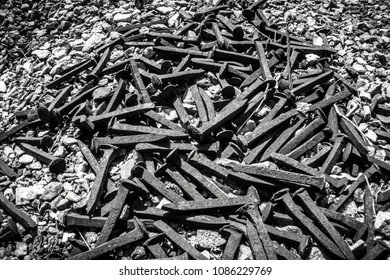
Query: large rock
[[23, 196]]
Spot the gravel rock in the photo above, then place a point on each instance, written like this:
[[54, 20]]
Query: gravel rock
[[359, 68], [23, 196], [315, 254], [71, 196], [3, 87], [52, 190], [207, 239], [26, 159], [382, 223], [21, 249], [123, 17], [35, 166], [94, 40], [164, 10], [41, 54], [91, 237], [63, 204], [244, 253], [101, 93]]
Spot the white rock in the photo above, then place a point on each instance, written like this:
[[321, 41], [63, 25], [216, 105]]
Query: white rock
[[172, 20], [7, 151], [23, 196], [303, 106], [35, 165], [170, 114], [165, 10], [311, 21], [341, 52], [9, 194], [208, 239], [123, 17], [21, 249], [52, 190], [380, 154], [364, 95], [359, 68], [311, 58], [126, 168], [381, 218], [163, 201], [3, 87], [360, 60], [244, 253], [60, 53], [317, 40], [67, 186], [94, 40], [41, 54], [266, 164], [366, 112], [67, 235], [71, 196], [370, 68], [68, 141], [60, 152], [214, 90], [371, 135], [63, 204], [26, 159], [90, 237]]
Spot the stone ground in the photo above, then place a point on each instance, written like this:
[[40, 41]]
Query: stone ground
[[38, 39]]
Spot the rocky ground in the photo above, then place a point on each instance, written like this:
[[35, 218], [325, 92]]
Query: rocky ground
[[41, 38]]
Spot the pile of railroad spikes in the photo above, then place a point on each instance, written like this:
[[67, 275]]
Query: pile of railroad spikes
[[243, 182]]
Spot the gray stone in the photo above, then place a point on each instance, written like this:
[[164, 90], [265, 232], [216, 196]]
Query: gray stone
[[35, 166], [63, 204], [101, 93], [68, 141], [41, 54], [90, 237], [26, 159], [52, 190], [7, 151], [81, 204], [23, 196], [165, 10], [71, 196], [382, 223], [93, 41], [315, 254], [21, 249], [60, 52], [244, 253], [123, 17], [359, 68], [207, 239]]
